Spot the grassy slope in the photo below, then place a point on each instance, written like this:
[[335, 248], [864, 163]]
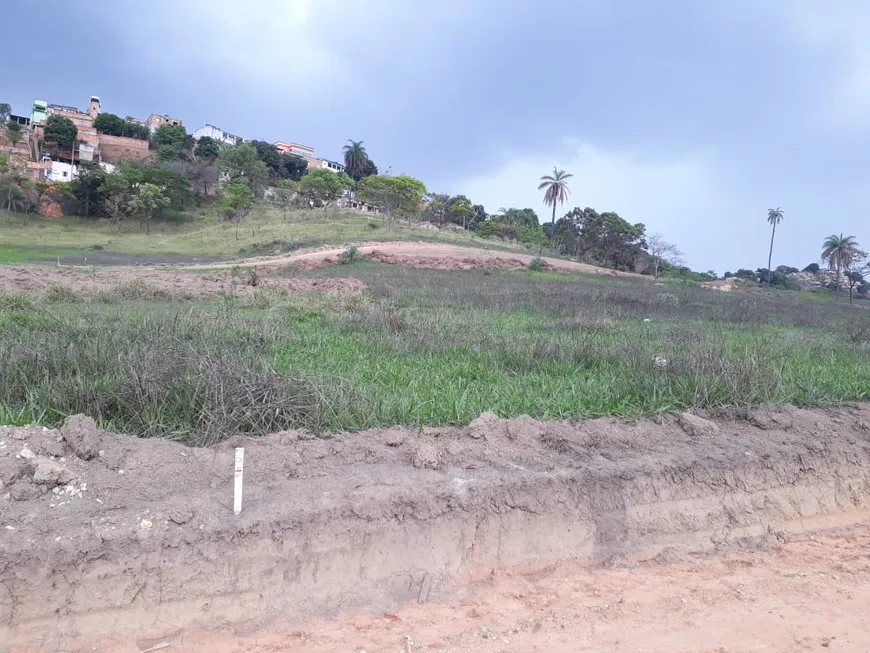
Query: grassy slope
[[425, 347], [204, 235]]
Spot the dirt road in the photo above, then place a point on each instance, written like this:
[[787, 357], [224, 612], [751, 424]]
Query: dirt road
[[810, 594], [434, 255]]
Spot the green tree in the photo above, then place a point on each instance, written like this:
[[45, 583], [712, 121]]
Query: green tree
[[86, 188], [294, 167], [116, 195], [172, 142], [369, 169], [241, 164], [172, 183], [398, 196], [324, 186], [774, 217], [436, 208], [479, 216], [5, 110], [839, 251], [109, 123], [285, 194], [271, 156], [460, 210], [601, 238], [14, 132], [355, 159], [12, 183], [207, 148], [555, 189], [133, 129], [60, 130], [519, 217], [237, 200], [145, 201]]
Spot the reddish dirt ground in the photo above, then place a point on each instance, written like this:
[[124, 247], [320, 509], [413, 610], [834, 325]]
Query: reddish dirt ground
[[431, 255], [810, 594], [677, 534]]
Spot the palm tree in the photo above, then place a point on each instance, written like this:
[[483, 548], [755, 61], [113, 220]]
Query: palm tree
[[774, 217], [355, 158], [839, 251], [555, 189]]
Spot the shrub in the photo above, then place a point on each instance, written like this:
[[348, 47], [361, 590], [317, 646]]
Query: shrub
[[16, 302], [349, 255], [61, 295], [192, 377], [536, 264], [139, 290]]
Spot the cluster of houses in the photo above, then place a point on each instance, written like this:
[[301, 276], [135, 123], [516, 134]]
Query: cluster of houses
[[108, 150]]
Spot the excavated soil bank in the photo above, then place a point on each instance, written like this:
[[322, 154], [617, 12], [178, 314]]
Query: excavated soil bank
[[106, 537], [142, 280]]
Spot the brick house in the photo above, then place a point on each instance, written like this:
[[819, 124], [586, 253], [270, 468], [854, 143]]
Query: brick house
[[155, 120]]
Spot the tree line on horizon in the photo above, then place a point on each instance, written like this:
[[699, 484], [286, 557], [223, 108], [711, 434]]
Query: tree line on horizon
[[185, 172]]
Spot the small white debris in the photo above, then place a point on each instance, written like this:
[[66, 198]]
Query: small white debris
[[145, 524], [646, 319], [44, 429], [26, 453], [660, 361], [10, 528], [121, 471]]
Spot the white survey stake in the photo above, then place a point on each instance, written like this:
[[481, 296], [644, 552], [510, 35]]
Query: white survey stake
[[239, 479]]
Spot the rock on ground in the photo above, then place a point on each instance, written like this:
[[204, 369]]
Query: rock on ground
[[48, 472], [696, 426], [82, 435]]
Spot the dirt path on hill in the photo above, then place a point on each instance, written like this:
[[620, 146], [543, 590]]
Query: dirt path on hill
[[679, 534], [430, 255]]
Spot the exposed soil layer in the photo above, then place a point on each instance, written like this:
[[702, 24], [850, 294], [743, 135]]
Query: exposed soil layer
[[808, 594], [428, 255], [106, 538], [91, 281]]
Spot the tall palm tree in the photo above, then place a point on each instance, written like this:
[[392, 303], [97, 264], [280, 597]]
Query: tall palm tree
[[555, 189], [774, 217], [839, 251], [355, 158]]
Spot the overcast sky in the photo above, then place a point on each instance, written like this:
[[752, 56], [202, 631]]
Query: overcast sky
[[693, 117]]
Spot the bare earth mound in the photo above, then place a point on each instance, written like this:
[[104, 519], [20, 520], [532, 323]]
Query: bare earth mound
[[90, 281], [428, 255], [123, 543]]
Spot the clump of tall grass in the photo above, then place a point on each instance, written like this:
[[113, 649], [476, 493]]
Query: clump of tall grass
[[197, 377]]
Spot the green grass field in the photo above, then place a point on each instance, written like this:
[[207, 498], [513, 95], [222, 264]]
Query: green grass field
[[423, 347], [206, 234]]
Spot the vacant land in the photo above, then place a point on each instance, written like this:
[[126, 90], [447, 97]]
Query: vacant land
[[202, 237], [436, 256], [418, 347]]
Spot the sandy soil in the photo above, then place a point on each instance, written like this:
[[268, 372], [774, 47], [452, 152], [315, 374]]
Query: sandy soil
[[92, 280], [430, 255], [808, 594], [505, 535]]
